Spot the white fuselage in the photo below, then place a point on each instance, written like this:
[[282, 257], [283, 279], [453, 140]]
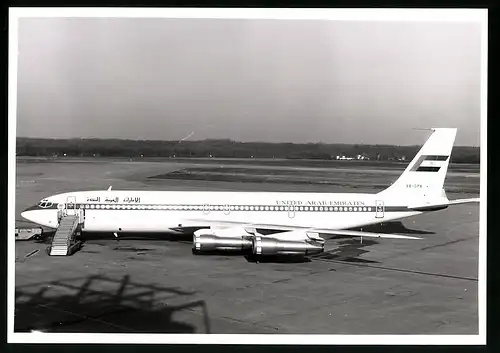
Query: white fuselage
[[161, 211]]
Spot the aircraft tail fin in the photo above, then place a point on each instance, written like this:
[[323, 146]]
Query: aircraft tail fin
[[424, 177]]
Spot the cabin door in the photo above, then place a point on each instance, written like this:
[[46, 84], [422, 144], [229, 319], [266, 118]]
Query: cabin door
[[71, 205], [291, 211], [379, 209]]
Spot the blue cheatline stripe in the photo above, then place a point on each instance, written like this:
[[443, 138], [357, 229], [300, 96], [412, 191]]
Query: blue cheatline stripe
[[428, 169], [418, 168], [436, 158], [229, 208]]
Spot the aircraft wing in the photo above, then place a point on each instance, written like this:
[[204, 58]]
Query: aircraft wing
[[278, 227], [353, 233]]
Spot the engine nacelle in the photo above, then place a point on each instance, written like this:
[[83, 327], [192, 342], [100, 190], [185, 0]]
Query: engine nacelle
[[210, 242], [271, 246]]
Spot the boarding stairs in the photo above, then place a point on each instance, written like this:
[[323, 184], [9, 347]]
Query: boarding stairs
[[64, 242]]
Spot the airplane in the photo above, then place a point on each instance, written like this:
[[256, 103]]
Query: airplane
[[265, 223]]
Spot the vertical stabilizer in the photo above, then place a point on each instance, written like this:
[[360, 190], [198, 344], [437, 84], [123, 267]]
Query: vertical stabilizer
[[424, 177]]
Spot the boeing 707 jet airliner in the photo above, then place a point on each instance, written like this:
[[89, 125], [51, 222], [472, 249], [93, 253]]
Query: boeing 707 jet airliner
[[264, 223]]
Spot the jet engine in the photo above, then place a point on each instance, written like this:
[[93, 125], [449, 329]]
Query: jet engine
[[272, 246], [207, 240]]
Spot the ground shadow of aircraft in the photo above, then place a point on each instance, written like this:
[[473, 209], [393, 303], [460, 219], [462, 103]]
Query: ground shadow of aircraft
[[391, 227], [105, 305], [348, 250], [250, 257], [277, 259], [186, 234], [46, 237]]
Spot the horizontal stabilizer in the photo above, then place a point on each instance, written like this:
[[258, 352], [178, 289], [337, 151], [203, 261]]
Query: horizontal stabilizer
[[460, 201], [440, 205]]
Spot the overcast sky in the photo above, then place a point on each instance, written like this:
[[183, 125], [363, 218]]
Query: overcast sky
[[248, 80]]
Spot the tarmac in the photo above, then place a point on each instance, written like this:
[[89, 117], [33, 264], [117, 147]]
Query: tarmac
[[155, 284]]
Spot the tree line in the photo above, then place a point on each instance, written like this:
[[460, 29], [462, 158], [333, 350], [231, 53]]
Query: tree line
[[223, 148]]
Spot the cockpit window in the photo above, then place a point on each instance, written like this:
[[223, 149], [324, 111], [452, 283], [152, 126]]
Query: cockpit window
[[45, 204]]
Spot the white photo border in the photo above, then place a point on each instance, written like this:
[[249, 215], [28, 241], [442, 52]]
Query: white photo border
[[425, 15]]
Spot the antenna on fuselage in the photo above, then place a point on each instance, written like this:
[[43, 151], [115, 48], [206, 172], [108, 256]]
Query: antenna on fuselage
[[109, 189]]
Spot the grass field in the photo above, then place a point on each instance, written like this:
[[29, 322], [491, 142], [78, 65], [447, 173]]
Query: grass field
[[350, 175]]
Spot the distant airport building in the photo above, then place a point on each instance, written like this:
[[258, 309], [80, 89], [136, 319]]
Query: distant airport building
[[359, 157], [344, 158]]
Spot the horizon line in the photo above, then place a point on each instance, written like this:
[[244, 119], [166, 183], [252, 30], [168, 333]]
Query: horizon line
[[227, 139]]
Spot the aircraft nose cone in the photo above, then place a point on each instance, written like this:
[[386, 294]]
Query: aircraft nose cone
[[26, 215], [34, 216]]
